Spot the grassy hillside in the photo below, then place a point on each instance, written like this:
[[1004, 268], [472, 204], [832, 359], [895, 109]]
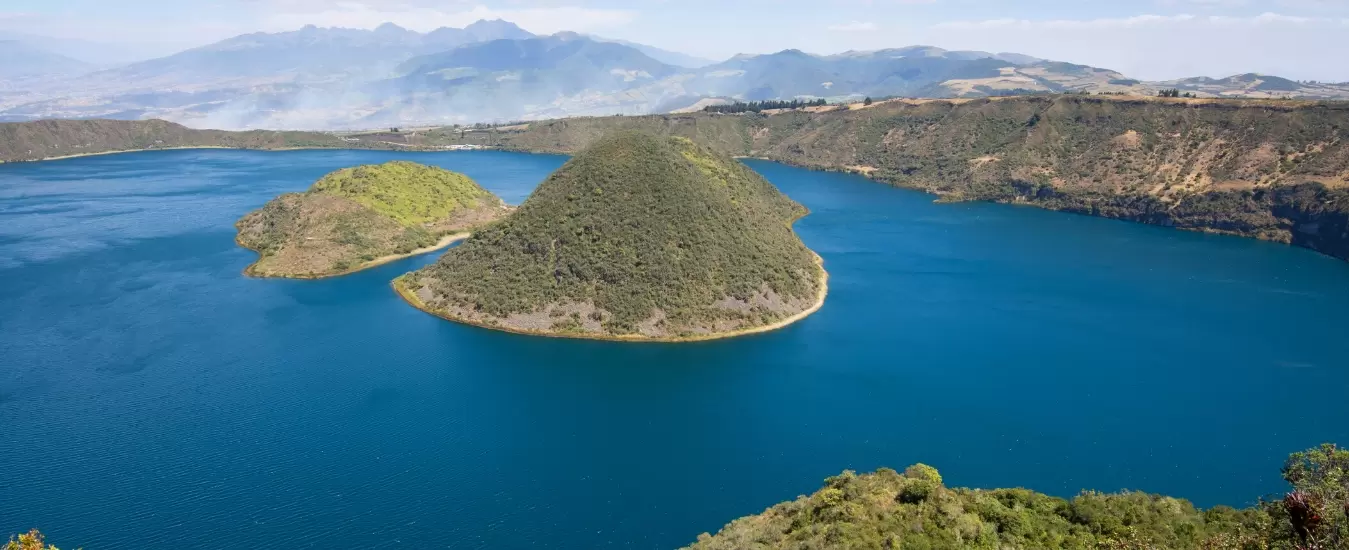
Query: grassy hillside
[[1276, 170], [637, 236], [355, 217], [915, 510], [409, 193]]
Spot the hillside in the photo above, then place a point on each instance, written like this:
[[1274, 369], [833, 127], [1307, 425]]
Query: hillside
[[637, 237], [22, 141], [359, 217], [1276, 170], [914, 510]]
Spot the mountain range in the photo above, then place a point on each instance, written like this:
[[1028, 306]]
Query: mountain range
[[335, 78]]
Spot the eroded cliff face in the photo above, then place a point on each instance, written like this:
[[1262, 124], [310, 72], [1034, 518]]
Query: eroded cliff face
[[1276, 170]]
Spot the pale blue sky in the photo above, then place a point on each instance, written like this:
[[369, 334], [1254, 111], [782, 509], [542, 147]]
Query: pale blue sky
[[1151, 39]]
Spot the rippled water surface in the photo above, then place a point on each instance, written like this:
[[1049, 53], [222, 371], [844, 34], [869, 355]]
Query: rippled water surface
[[152, 397]]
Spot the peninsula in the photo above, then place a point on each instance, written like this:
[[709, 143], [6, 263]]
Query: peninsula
[[638, 237], [360, 217]]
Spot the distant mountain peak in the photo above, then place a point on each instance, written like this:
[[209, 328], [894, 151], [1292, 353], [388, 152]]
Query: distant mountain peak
[[390, 28], [496, 29]]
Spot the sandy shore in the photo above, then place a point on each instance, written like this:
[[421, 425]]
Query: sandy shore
[[411, 298], [444, 242]]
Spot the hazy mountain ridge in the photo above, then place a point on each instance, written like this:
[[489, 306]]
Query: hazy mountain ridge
[[19, 59], [332, 78]]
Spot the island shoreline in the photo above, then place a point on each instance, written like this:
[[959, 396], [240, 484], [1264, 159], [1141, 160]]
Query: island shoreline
[[412, 299], [443, 243], [821, 294]]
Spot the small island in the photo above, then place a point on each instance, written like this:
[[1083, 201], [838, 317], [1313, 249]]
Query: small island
[[361, 217], [639, 238]]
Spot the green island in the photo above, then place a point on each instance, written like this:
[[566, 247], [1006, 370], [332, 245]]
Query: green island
[[914, 510], [638, 237], [360, 217]]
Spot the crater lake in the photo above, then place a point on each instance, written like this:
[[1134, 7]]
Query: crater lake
[[151, 396]]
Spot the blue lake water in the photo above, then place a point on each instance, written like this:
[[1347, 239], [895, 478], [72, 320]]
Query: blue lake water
[[153, 397]]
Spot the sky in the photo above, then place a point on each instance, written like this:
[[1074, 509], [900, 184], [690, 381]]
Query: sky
[[1148, 39]]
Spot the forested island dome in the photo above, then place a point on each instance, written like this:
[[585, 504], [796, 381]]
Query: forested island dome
[[638, 237], [363, 216]]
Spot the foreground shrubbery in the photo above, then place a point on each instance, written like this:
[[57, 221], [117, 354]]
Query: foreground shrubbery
[[32, 540], [914, 510]]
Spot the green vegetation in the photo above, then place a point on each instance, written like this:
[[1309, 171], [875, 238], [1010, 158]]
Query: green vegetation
[[757, 106], [1172, 92], [355, 216], [637, 236], [20, 141], [32, 540], [914, 510], [408, 192]]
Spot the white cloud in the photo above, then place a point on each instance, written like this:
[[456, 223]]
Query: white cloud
[[1152, 46], [368, 15], [1137, 21], [853, 26]]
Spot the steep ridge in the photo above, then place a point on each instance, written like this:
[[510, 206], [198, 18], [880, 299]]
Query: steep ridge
[[360, 217], [637, 237]]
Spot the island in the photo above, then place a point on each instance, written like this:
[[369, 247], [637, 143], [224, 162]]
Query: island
[[640, 238], [360, 217]]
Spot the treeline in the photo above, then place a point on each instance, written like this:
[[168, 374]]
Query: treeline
[[757, 106], [915, 509], [1172, 92]]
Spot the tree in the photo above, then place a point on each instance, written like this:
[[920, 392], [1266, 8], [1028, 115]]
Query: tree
[[866, 101], [33, 540], [1315, 513]]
